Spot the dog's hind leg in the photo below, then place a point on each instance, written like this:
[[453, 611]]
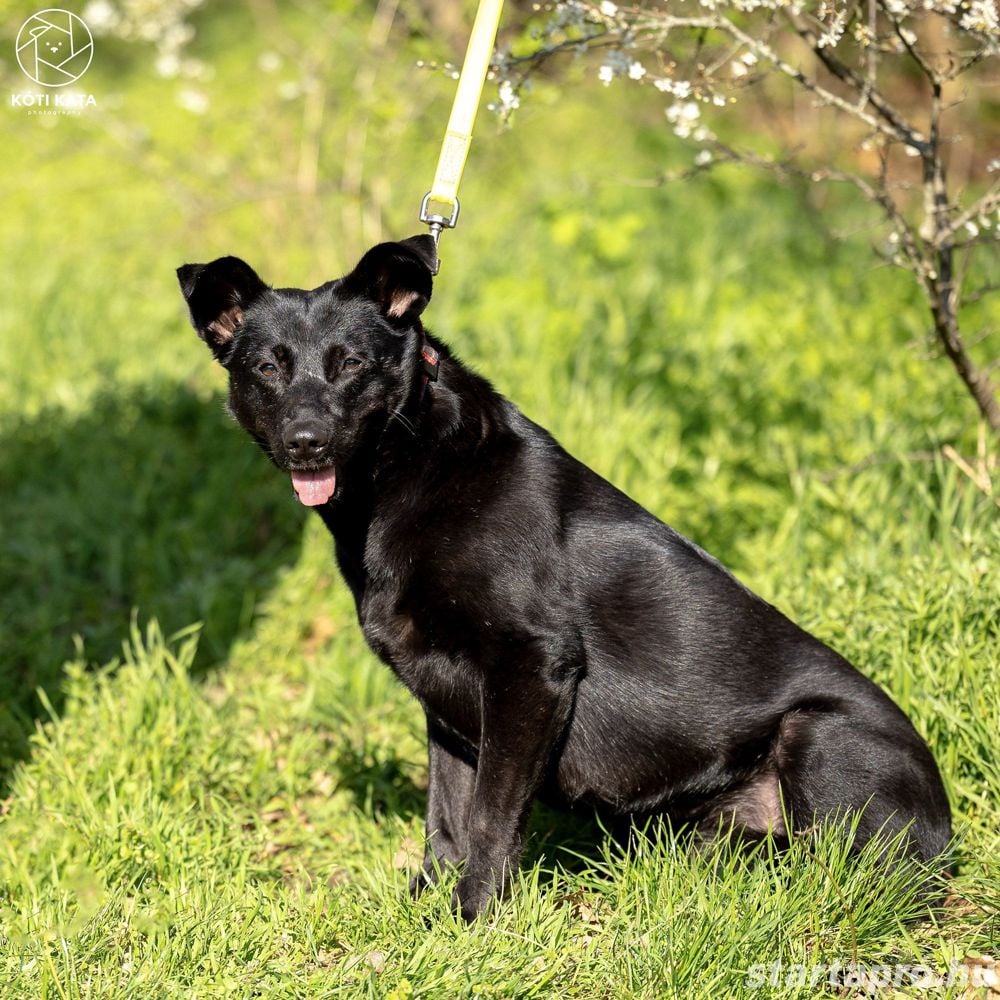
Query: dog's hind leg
[[849, 760]]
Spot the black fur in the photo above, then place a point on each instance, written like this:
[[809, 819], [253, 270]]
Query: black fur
[[563, 642]]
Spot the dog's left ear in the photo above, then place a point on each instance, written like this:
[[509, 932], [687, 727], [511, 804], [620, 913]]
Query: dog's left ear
[[217, 295], [398, 276]]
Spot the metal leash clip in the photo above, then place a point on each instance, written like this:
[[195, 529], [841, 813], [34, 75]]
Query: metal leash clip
[[438, 223]]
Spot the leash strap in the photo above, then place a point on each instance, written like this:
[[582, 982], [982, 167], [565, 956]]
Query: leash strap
[[439, 209]]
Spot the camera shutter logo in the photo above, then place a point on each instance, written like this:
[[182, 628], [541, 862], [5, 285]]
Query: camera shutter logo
[[54, 47]]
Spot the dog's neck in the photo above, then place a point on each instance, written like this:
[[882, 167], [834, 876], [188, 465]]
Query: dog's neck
[[434, 435]]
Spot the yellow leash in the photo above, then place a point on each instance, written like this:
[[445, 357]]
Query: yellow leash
[[439, 209]]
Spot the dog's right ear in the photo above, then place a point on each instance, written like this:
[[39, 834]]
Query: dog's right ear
[[218, 294]]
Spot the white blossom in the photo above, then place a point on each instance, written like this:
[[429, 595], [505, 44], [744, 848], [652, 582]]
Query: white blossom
[[616, 63], [101, 17], [509, 100], [269, 62], [834, 30], [683, 115], [160, 23], [981, 16], [571, 14], [167, 65], [195, 101]]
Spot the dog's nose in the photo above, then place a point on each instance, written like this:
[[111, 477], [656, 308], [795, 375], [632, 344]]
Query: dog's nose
[[305, 439]]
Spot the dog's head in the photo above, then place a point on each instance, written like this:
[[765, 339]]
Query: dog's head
[[312, 373]]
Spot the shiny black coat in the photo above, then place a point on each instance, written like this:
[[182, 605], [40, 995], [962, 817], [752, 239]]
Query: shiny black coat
[[562, 641]]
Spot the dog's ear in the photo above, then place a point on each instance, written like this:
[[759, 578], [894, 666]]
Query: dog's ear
[[398, 276], [217, 295]]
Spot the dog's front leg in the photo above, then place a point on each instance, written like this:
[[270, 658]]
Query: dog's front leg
[[450, 783], [522, 717]]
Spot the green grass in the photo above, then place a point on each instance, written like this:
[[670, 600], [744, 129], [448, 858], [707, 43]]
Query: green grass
[[233, 811]]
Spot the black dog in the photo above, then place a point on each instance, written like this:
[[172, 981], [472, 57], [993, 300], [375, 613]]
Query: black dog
[[563, 642]]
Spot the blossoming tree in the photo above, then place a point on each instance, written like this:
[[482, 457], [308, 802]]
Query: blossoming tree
[[891, 81]]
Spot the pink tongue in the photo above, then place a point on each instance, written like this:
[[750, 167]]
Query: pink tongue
[[314, 488]]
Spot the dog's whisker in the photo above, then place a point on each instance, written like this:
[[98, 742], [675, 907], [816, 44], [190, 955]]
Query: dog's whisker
[[404, 420]]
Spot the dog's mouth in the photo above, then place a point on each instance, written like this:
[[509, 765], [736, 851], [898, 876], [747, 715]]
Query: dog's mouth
[[314, 486]]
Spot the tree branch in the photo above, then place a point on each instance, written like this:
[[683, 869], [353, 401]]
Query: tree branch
[[903, 129]]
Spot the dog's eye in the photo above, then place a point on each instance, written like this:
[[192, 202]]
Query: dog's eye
[[267, 369], [352, 362]]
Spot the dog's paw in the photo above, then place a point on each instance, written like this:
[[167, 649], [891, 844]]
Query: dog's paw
[[473, 896], [426, 877]]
